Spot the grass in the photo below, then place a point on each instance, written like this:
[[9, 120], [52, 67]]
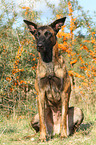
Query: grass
[[15, 128]]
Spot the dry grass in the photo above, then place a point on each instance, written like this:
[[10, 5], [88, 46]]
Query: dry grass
[[14, 129]]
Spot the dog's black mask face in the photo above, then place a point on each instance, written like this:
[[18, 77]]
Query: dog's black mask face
[[45, 37]]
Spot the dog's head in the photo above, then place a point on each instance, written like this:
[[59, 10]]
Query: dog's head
[[45, 37]]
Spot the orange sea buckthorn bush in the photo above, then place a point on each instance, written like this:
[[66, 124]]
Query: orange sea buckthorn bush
[[80, 54]]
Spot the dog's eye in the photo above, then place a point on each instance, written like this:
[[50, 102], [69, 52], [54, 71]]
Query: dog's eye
[[37, 34], [47, 34]]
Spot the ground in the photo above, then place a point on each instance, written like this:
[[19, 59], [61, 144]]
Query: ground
[[14, 129]]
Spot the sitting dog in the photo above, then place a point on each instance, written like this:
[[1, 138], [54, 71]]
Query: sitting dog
[[52, 82]]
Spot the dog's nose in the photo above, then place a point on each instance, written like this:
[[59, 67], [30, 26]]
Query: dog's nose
[[40, 47]]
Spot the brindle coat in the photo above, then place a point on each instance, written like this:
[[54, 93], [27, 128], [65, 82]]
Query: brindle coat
[[52, 80]]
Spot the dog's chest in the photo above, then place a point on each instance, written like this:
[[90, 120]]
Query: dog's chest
[[51, 79]]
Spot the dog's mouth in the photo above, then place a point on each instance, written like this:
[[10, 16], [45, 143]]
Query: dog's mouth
[[41, 49]]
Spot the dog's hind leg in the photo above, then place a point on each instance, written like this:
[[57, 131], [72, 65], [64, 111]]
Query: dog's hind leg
[[35, 123], [74, 119]]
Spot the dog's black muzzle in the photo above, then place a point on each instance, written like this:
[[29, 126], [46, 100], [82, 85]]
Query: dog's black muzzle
[[40, 47], [41, 44]]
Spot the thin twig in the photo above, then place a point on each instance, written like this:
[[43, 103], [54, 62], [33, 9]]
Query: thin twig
[[18, 39], [2, 132]]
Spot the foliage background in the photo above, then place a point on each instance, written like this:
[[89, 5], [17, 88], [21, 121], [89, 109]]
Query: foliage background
[[18, 57]]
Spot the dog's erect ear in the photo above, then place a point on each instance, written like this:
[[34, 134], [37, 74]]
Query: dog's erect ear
[[32, 26], [56, 25]]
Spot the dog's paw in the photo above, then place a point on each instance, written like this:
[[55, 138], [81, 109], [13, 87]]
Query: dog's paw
[[63, 135], [42, 137]]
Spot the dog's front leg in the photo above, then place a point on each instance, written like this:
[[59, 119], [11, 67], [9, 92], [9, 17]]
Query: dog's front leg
[[64, 109], [41, 109]]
